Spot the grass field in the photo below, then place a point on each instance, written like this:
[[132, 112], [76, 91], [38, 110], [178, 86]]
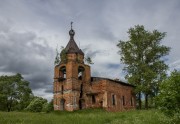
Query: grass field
[[96, 116]]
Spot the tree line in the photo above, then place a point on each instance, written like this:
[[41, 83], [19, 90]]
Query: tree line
[[16, 95]]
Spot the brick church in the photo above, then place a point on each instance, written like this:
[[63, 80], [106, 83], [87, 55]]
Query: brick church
[[75, 89]]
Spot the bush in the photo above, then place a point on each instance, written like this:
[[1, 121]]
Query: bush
[[168, 99], [47, 107], [36, 105]]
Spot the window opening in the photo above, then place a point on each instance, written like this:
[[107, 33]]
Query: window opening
[[123, 100], [93, 99], [113, 99]]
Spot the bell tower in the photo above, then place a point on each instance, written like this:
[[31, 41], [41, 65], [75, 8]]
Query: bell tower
[[71, 78]]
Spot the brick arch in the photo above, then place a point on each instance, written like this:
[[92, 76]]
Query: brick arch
[[62, 65], [82, 65]]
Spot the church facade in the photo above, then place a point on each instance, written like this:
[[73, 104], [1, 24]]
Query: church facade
[[75, 89]]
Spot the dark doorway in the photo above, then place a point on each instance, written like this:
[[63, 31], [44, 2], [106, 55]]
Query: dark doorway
[[101, 103], [93, 99], [81, 103], [62, 104]]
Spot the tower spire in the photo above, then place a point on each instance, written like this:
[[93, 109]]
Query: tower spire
[[72, 46], [71, 32], [71, 25]]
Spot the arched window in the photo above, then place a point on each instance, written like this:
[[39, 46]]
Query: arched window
[[62, 73], [81, 73], [131, 101]]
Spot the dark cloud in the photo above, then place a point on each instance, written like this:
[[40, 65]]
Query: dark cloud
[[21, 52], [90, 52], [113, 66], [49, 89], [31, 30], [40, 79]]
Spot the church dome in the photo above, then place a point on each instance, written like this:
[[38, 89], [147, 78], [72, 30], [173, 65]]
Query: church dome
[[71, 32]]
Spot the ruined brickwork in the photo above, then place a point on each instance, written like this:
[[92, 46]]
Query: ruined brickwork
[[75, 89]]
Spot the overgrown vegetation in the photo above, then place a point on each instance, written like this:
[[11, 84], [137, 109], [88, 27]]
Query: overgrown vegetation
[[88, 60], [90, 116], [61, 57]]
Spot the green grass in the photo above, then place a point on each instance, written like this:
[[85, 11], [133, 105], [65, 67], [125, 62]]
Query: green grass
[[90, 116]]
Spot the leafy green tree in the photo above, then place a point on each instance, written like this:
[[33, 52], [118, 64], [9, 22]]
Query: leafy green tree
[[142, 55], [63, 55], [14, 92], [169, 95], [51, 106], [60, 57], [36, 105]]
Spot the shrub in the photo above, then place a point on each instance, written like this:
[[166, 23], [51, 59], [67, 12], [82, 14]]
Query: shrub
[[168, 99], [47, 107], [36, 105]]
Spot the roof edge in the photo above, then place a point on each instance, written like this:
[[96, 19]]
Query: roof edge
[[120, 82]]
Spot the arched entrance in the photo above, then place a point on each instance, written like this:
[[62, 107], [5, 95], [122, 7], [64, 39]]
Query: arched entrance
[[62, 104], [81, 103]]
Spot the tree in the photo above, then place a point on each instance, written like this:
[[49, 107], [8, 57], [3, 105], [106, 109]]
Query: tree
[[14, 92], [57, 58], [60, 57], [63, 55], [89, 60], [142, 55], [36, 105], [169, 96]]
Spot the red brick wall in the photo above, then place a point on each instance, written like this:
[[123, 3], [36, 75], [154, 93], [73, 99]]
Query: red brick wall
[[100, 90], [106, 89]]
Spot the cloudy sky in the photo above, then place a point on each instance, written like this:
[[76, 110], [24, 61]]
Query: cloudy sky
[[31, 30]]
